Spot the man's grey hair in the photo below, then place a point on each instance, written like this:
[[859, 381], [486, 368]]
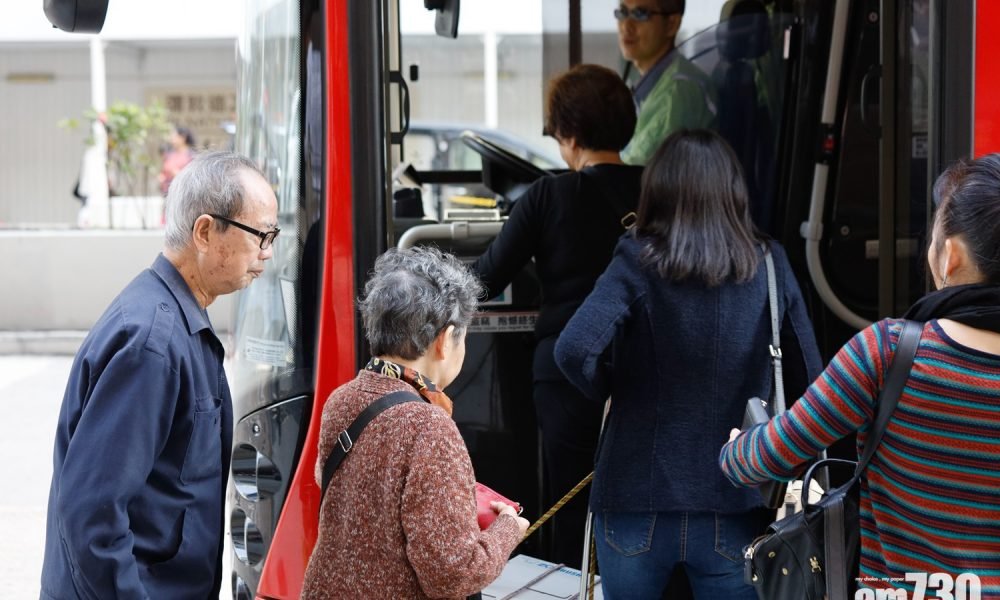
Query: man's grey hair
[[411, 296], [209, 184]]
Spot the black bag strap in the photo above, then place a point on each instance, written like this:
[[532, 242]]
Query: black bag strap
[[348, 437], [625, 215], [835, 549], [834, 539], [895, 380]]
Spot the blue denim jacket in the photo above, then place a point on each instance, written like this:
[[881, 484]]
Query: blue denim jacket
[[142, 452], [685, 360]]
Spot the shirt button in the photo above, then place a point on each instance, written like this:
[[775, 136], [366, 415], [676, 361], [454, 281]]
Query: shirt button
[[163, 307]]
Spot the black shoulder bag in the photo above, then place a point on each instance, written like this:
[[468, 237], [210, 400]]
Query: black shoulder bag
[[348, 437], [814, 553]]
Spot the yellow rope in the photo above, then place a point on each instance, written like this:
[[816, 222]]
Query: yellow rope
[[569, 496]]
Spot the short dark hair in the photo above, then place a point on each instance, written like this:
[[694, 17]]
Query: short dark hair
[[693, 213], [672, 6], [968, 199], [592, 105], [188, 136]]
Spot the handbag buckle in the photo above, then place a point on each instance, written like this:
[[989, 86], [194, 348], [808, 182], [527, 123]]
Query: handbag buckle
[[344, 439]]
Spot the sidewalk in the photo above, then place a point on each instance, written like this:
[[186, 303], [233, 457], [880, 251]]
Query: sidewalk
[[31, 390]]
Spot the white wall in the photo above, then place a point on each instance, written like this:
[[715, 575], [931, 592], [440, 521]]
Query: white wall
[[63, 280], [43, 83]]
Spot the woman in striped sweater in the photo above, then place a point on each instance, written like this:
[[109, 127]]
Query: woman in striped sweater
[[930, 499]]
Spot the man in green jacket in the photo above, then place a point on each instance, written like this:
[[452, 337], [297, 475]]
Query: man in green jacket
[[671, 93]]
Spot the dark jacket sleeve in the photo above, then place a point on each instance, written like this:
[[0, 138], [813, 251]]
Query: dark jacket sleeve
[[800, 354], [128, 415], [516, 243], [582, 351]]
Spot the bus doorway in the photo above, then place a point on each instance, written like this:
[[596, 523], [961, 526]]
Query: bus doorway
[[820, 131]]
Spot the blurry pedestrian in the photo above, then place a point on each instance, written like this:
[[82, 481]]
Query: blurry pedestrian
[[178, 154]]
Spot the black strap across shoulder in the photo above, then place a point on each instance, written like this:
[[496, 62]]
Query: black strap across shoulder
[[625, 215], [348, 437], [835, 542], [895, 380]]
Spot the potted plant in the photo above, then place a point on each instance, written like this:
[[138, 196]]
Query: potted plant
[[135, 135]]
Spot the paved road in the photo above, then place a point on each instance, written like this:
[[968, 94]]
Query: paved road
[[30, 393], [31, 389]]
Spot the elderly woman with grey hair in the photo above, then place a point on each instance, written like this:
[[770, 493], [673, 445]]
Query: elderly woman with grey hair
[[399, 517]]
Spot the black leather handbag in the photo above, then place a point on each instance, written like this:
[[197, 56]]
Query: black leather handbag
[[813, 553]]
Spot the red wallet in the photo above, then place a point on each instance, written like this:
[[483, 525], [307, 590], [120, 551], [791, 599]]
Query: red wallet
[[485, 514]]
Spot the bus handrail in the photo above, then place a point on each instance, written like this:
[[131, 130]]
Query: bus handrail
[[812, 230], [460, 230]]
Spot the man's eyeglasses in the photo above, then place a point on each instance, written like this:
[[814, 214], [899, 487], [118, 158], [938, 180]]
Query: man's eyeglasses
[[637, 14], [266, 237]]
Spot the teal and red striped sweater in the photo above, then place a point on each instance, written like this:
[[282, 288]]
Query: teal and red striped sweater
[[930, 498]]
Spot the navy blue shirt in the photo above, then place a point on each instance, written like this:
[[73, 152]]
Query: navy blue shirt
[[686, 359], [141, 452]]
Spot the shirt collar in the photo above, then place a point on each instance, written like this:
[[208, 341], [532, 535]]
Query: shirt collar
[[648, 81], [195, 316]]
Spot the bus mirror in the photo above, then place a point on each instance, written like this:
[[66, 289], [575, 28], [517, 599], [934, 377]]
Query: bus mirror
[[81, 16], [446, 23]]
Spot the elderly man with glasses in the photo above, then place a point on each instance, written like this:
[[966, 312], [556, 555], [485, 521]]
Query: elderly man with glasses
[[143, 442], [670, 92]]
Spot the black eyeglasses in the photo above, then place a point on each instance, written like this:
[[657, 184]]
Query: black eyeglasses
[[266, 237], [637, 14]]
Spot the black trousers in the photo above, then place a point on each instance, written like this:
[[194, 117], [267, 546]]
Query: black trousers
[[570, 424]]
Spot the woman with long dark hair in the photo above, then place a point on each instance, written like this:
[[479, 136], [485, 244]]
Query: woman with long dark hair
[[677, 331], [929, 497]]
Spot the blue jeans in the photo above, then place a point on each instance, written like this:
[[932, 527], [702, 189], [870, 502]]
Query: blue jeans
[[636, 552]]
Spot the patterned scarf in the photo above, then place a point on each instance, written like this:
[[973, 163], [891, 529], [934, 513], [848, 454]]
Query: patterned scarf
[[425, 387]]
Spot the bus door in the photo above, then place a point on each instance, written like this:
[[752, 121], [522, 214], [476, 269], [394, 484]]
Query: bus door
[[874, 111]]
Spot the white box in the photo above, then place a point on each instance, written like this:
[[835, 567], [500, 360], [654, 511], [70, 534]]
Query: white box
[[527, 578]]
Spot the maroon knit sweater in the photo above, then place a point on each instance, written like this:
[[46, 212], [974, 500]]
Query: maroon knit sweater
[[399, 519]]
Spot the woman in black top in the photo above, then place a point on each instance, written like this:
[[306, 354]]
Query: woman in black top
[[569, 224]]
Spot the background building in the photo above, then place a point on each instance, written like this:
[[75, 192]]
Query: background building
[[181, 51]]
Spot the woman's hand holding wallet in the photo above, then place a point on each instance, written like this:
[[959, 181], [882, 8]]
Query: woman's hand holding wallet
[[489, 504]]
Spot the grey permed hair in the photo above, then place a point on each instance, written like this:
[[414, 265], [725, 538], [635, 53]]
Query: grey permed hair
[[209, 184], [411, 296]]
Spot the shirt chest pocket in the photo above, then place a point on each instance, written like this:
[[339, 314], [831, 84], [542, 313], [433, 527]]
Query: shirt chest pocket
[[203, 458]]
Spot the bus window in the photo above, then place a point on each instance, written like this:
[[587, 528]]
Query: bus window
[[274, 328]]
